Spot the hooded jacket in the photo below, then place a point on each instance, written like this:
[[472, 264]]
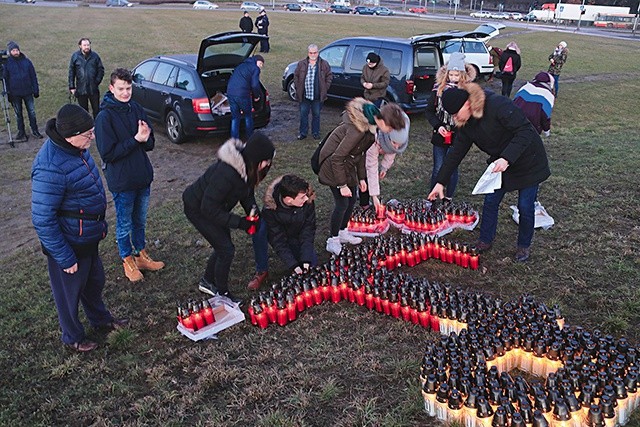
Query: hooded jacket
[[221, 187], [290, 226], [501, 130], [66, 179], [245, 80], [124, 160], [324, 76], [515, 59], [559, 57], [345, 148], [436, 115], [379, 76], [20, 77], [85, 73]]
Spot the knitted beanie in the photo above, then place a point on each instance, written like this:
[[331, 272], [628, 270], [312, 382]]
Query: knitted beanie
[[73, 120], [373, 58], [258, 148], [12, 45], [453, 99]]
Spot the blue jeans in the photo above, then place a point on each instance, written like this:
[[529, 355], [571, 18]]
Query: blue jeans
[[131, 218], [31, 112], [526, 200], [439, 153], [555, 84], [314, 107], [261, 247], [241, 105]]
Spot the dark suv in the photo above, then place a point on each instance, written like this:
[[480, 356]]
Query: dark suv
[[412, 63], [187, 92]]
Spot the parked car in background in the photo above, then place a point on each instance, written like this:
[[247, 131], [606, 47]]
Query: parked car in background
[[530, 17], [471, 44], [204, 4], [187, 92], [480, 14], [383, 11], [499, 15], [515, 15], [293, 7], [412, 63], [363, 10], [118, 3], [312, 7], [491, 29], [418, 9], [251, 6], [337, 8]]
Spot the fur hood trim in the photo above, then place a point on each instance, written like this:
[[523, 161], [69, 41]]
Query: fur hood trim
[[470, 70], [230, 153], [476, 99], [356, 115], [270, 202]]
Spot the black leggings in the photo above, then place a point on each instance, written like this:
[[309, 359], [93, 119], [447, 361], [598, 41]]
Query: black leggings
[[219, 263], [342, 209]]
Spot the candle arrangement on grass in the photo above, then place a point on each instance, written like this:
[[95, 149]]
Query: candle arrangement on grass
[[435, 218]]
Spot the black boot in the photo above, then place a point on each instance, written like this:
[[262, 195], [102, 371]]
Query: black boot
[[37, 134], [22, 137]]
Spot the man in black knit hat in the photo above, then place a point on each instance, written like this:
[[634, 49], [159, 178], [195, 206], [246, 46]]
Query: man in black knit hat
[[67, 207]]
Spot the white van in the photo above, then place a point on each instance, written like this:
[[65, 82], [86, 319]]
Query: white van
[[346, 3]]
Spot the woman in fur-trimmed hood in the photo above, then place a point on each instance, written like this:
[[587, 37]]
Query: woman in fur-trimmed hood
[[500, 129], [208, 203], [449, 75], [290, 214], [342, 161]]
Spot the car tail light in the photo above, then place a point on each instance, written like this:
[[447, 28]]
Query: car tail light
[[490, 59], [409, 87], [201, 106]]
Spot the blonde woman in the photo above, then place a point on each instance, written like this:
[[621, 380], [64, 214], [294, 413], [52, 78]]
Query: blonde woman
[[450, 75]]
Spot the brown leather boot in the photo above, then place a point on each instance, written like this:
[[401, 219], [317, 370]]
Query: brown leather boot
[[257, 280], [144, 262], [131, 270]]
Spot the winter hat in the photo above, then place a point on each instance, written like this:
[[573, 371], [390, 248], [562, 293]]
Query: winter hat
[[370, 112], [542, 77], [400, 137], [12, 45], [456, 62], [513, 46], [373, 58], [258, 148], [73, 120], [259, 58], [453, 99], [563, 44]]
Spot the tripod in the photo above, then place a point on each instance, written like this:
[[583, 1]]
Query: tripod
[[4, 104]]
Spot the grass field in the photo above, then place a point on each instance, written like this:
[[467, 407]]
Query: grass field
[[337, 365]]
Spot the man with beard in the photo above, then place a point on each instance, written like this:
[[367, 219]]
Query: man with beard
[[500, 129], [85, 75]]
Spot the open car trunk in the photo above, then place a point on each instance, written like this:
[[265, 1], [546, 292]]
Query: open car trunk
[[218, 56], [427, 63]]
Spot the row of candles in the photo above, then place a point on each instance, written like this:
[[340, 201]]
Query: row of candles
[[430, 217], [195, 315], [359, 276], [368, 220]]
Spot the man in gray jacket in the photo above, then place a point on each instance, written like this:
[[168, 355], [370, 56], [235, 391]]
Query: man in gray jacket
[[85, 75]]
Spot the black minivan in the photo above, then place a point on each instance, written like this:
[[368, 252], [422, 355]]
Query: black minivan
[[187, 92], [412, 62]]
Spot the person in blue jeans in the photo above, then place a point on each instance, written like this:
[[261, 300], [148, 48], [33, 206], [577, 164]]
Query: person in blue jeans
[[243, 89], [449, 75], [123, 137], [500, 129], [311, 80], [22, 87]]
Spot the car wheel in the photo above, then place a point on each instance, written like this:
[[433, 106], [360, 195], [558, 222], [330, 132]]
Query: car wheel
[[174, 128], [291, 90], [478, 75]]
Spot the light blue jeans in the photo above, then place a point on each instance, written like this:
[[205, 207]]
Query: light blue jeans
[[131, 219]]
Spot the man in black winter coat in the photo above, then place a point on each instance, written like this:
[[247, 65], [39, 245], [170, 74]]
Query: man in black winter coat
[[262, 26], [85, 75], [290, 214], [246, 23], [500, 129]]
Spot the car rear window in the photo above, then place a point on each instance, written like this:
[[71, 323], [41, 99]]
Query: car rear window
[[185, 80], [426, 57]]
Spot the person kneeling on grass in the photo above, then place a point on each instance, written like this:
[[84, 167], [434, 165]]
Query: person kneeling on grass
[[208, 203], [290, 214]]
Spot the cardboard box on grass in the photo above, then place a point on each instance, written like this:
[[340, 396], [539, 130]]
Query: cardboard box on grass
[[226, 314]]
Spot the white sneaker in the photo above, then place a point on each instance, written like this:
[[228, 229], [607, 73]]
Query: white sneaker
[[333, 245], [346, 237]]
